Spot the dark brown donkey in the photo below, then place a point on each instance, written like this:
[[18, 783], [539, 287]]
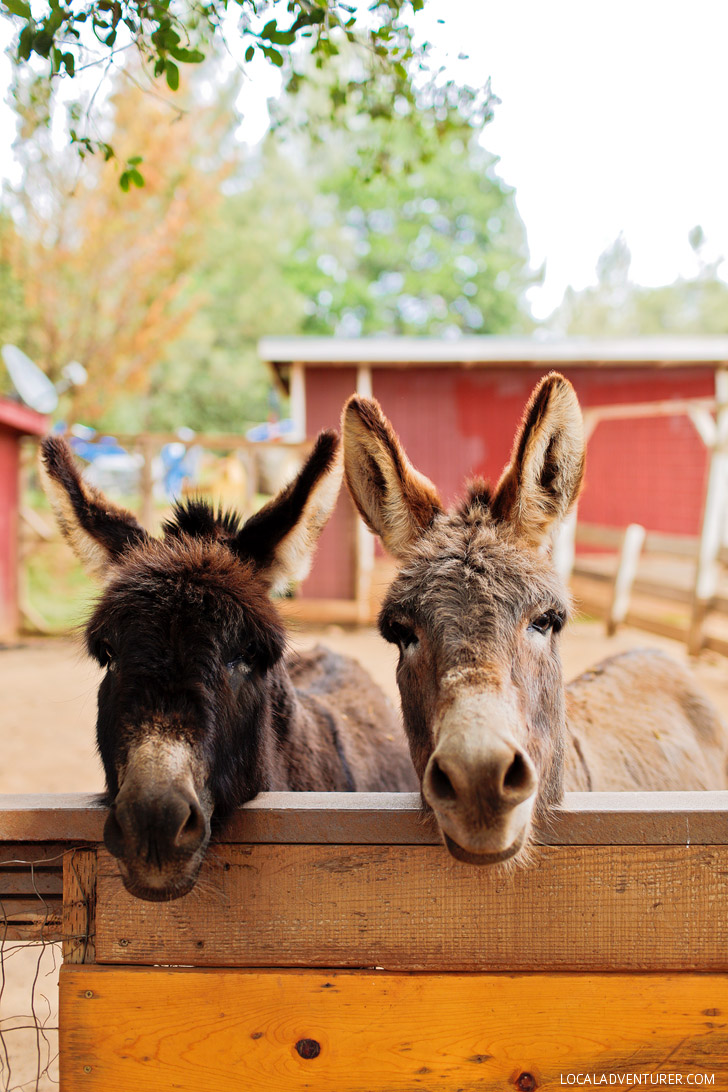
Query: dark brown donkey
[[199, 709], [476, 610]]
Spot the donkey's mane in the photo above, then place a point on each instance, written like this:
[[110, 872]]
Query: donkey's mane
[[198, 519], [479, 495]]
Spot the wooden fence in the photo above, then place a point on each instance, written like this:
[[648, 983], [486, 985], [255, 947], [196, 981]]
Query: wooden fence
[[647, 579], [333, 944], [691, 591]]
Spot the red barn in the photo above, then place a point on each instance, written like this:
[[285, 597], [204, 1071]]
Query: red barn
[[456, 404], [15, 421]]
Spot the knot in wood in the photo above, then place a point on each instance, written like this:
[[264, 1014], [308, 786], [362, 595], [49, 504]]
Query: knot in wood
[[308, 1048], [526, 1082]]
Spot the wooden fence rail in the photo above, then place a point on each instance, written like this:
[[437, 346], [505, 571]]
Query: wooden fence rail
[[333, 944], [673, 611]]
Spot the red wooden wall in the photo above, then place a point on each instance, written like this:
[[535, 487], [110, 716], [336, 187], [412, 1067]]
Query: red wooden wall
[[15, 420], [333, 573], [8, 531], [456, 422]]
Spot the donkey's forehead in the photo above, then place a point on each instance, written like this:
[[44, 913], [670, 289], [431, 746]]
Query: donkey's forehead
[[461, 561], [185, 578]]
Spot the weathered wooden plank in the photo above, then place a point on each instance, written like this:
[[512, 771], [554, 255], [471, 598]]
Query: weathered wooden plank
[[594, 534], [389, 819], [38, 882], [655, 625], [17, 908], [716, 644], [51, 817], [638, 908], [40, 854], [79, 906], [155, 1030], [47, 931]]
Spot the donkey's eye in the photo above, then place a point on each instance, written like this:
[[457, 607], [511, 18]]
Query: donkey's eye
[[545, 623], [402, 635], [107, 655], [239, 663]]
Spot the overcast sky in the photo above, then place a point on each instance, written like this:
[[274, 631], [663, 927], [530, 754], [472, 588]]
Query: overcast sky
[[613, 119]]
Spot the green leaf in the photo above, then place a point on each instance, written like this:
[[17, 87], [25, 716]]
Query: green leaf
[[159, 66], [18, 7], [273, 56], [172, 73], [134, 160], [136, 177], [124, 181], [70, 63], [249, 53], [271, 33], [187, 56], [55, 20], [42, 43], [25, 42], [110, 38]]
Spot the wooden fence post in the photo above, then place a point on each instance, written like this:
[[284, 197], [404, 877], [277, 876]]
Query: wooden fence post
[[714, 516], [629, 555]]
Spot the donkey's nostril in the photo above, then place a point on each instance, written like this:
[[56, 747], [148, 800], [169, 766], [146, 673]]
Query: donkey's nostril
[[113, 834], [440, 784], [518, 776], [192, 831]]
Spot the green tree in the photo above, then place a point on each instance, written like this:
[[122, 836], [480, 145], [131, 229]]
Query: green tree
[[212, 378], [68, 38], [104, 274], [433, 244], [15, 322], [310, 244], [617, 307]]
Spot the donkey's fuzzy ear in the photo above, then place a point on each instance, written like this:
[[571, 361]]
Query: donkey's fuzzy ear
[[542, 481], [395, 500], [280, 538], [98, 531]]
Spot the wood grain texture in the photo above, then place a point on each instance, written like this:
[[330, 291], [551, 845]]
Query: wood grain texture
[[79, 906], [156, 1030], [654, 818], [638, 908]]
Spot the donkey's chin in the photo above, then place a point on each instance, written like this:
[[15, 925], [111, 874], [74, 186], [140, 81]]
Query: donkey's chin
[[467, 856], [162, 888]]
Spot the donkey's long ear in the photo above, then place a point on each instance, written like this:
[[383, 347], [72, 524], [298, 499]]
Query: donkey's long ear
[[543, 479], [395, 500], [99, 533], [280, 538]]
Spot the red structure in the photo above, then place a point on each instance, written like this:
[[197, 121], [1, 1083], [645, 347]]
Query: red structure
[[456, 405], [15, 421]]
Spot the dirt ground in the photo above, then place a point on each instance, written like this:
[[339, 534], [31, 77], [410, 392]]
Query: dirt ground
[[47, 715]]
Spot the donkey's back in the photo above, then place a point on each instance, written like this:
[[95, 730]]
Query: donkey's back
[[639, 721]]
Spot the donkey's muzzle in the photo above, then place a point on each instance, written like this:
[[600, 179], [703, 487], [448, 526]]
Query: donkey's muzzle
[[159, 841], [156, 829], [480, 783]]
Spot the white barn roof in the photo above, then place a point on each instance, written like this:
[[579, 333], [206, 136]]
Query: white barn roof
[[493, 351]]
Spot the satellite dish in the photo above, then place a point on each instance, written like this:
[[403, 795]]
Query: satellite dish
[[33, 386]]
